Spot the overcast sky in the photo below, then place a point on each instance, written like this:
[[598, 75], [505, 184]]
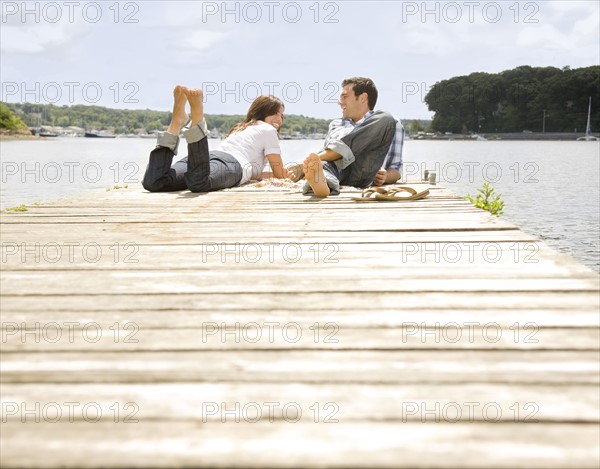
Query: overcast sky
[[131, 54]]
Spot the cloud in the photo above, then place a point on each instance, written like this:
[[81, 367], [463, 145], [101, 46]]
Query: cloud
[[199, 41], [587, 30], [575, 40], [560, 8], [38, 38], [545, 36]]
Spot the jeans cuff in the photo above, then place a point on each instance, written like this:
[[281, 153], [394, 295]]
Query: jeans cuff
[[196, 133], [332, 183], [165, 139]]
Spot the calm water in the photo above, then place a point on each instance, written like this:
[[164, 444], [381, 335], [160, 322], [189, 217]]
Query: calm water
[[551, 189]]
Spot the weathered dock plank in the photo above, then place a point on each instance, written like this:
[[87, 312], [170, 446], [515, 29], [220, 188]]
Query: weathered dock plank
[[266, 444], [355, 401], [299, 335], [305, 366], [569, 305]]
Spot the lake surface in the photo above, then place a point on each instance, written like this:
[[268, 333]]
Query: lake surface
[[550, 189]]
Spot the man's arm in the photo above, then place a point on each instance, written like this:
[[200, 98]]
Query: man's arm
[[329, 155]]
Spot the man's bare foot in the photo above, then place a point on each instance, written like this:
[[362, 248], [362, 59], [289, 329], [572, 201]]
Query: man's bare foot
[[313, 170], [195, 97], [295, 172], [180, 117]]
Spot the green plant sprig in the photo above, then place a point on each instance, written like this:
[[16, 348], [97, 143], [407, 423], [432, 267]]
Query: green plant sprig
[[487, 200]]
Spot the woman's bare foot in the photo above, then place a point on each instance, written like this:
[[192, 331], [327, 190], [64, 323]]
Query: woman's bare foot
[[195, 98], [180, 117], [313, 171]]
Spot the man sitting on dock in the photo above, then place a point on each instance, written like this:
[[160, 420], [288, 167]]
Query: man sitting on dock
[[362, 148]]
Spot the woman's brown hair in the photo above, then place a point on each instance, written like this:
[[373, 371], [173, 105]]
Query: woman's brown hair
[[261, 107]]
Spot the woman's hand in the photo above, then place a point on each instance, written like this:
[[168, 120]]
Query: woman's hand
[[295, 172]]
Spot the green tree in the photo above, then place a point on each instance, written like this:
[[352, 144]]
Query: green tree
[[8, 120], [515, 100]]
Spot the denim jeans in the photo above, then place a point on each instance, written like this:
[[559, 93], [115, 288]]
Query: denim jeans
[[201, 171], [369, 144]]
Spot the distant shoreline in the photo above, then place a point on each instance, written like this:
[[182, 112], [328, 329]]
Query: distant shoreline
[[9, 137]]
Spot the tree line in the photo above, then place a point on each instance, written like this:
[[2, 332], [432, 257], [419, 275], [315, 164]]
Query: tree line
[[525, 98], [124, 121]]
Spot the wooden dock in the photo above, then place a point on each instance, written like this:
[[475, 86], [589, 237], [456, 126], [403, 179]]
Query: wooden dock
[[262, 328]]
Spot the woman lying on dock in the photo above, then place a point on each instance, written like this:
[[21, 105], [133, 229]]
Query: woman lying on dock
[[240, 158]]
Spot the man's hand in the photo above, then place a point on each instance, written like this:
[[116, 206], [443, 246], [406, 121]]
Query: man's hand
[[380, 177], [295, 172]]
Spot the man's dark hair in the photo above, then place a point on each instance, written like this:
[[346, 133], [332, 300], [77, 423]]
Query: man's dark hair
[[363, 85]]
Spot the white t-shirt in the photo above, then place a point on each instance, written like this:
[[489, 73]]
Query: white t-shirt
[[251, 147]]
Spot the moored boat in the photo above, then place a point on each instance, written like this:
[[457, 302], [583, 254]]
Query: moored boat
[[94, 134], [588, 131]]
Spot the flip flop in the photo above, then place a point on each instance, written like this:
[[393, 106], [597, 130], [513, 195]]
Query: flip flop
[[390, 194], [378, 194], [365, 196]]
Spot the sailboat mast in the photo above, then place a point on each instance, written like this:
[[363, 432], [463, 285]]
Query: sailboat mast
[[588, 131]]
